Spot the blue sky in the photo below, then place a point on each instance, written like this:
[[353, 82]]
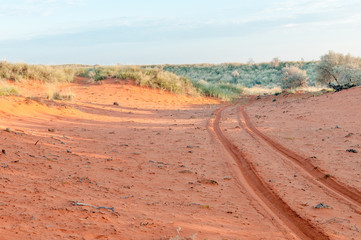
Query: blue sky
[[176, 31]]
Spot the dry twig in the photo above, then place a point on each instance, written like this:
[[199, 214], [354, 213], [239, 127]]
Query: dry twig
[[100, 207]]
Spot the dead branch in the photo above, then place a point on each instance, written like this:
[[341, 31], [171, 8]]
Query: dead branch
[[100, 207]]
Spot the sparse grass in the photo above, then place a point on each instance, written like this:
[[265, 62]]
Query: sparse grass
[[54, 94], [223, 91], [6, 90], [66, 94], [311, 89], [159, 79], [257, 90], [290, 138], [148, 77], [22, 71]]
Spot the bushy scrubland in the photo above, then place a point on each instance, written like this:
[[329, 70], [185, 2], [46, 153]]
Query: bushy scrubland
[[248, 75], [224, 81], [334, 70]]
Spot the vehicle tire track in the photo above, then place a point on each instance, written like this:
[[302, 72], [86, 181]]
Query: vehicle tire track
[[350, 193], [301, 227]]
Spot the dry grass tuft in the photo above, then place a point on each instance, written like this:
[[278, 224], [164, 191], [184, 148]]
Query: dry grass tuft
[[256, 90], [21, 71], [54, 94], [7, 90]]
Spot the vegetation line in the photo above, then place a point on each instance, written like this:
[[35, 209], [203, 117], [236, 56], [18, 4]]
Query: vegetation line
[[223, 81]]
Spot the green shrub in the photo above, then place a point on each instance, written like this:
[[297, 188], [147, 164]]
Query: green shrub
[[339, 71], [293, 77]]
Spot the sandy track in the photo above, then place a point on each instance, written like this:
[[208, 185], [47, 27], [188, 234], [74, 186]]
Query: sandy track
[[301, 227], [300, 190], [350, 193]]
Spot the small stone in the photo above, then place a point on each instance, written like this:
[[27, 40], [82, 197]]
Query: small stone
[[51, 130], [3, 151], [322, 205], [7, 129], [295, 175], [208, 181], [348, 135], [227, 178], [271, 180], [352, 150], [115, 103]]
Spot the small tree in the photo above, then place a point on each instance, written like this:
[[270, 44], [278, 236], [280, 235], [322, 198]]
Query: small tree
[[275, 62], [294, 77], [235, 75], [338, 70], [251, 62]]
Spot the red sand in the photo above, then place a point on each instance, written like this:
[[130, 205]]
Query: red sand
[[154, 164]]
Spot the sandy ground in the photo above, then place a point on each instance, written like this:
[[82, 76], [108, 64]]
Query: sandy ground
[[321, 129], [161, 166]]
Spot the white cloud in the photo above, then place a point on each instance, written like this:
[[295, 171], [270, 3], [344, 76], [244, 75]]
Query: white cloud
[[34, 7]]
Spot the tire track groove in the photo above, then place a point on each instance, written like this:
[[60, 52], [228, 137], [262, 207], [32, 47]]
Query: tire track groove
[[301, 227], [349, 192]]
